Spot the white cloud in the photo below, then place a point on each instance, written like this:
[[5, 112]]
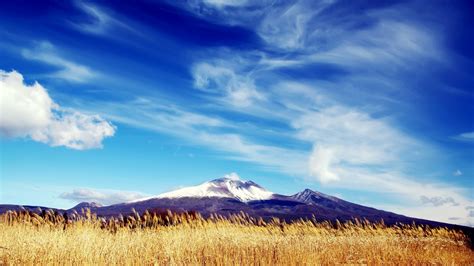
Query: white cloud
[[74, 130], [321, 164], [28, 111], [105, 197], [346, 138], [23, 108], [70, 71]]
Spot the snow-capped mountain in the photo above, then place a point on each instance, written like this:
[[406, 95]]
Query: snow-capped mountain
[[229, 186], [231, 195]]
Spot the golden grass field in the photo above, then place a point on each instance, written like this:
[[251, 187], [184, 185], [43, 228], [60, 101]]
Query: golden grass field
[[183, 239]]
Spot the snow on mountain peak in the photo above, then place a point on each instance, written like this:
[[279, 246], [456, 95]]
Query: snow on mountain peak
[[229, 186]]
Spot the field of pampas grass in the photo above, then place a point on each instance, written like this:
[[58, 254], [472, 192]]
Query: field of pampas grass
[[188, 239]]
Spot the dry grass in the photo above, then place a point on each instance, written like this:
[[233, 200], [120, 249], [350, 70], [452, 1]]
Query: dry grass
[[27, 238]]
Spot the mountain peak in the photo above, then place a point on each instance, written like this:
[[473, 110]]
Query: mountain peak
[[228, 186]]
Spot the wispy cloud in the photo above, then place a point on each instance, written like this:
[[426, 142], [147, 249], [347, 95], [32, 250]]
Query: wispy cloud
[[226, 3], [45, 52], [438, 201], [465, 137], [105, 197], [100, 22], [457, 173], [200, 129], [389, 44], [223, 81], [288, 27], [433, 212]]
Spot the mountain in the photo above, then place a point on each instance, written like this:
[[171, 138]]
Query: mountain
[[346, 210], [230, 194], [229, 186], [35, 208], [313, 197]]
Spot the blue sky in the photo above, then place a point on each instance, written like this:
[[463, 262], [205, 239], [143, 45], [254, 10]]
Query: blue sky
[[115, 101]]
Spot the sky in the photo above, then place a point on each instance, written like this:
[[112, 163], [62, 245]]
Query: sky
[[111, 101]]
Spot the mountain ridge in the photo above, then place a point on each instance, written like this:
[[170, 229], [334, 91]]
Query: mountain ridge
[[231, 195]]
